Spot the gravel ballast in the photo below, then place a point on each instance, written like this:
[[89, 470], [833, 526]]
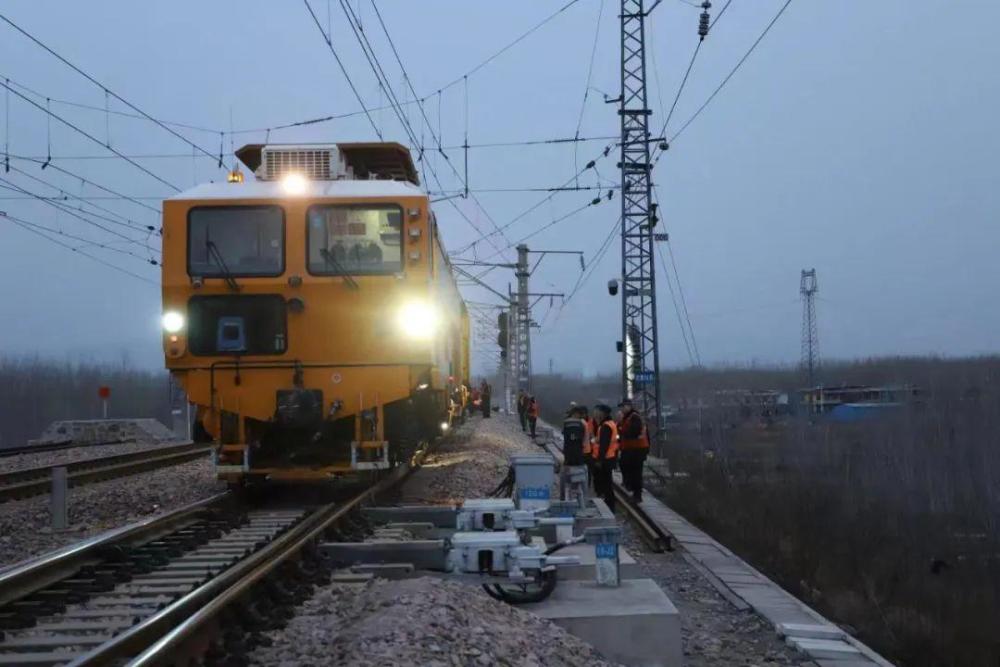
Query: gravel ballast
[[424, 621], [470, 463], [26, 525]]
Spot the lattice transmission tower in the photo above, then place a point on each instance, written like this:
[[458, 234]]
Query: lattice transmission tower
[[808, 287], [640, 352]]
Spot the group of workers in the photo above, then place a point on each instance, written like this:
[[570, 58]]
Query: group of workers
[[465, 400], [527, 412], [600, 442]]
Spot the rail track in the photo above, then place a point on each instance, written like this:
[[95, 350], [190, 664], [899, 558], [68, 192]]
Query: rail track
[[29, 482], [185, 586], [655, 536], [54, 447]]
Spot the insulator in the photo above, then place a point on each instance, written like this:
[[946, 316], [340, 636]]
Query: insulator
[[703, 22]]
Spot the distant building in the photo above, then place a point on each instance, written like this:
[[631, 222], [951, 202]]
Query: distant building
[[855, 402]]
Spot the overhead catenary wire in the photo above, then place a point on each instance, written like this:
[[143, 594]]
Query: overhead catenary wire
[[117, 195], [79, 251], [586, 89], [684, 80], [76, 213], [430, 127], [108, 111], [103, 87], [677, 310], [520, 38], [121, 220], [732, 72], [680, 292], [343, 70], [86, 241], [552, 193], [86, 134]]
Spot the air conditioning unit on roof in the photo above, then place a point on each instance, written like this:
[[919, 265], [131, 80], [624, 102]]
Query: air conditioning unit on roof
[[317, 162]]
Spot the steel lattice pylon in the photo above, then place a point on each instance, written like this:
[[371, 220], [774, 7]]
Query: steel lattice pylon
[[640, 353], [808, 286]]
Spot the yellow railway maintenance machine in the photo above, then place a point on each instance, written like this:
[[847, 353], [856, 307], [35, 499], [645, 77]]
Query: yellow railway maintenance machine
[[311, 314]]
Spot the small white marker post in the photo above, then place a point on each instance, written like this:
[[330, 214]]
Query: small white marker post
[[105, 393], [58, 498]]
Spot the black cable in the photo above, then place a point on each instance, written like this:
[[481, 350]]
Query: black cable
[[687, 315], [343, 69], [89, 242], [128, 222], [430, 127], [124, 114], [733, 71], [506, 48], [592, 265], [590, 165], [81, 252], [134, 200], [590, 74], [89, 136], [102, 86], [677, 310], [78, 213]]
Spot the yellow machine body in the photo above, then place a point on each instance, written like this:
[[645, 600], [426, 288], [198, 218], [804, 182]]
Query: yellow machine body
[[346, 385]]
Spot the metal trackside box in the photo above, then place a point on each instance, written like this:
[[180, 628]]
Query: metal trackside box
[[533, 478]]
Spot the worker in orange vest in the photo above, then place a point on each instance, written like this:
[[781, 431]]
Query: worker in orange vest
[[532, 415], [605, 455], [634, 448]]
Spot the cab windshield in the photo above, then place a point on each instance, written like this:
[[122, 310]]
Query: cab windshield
[[234, 241], [355, 239]]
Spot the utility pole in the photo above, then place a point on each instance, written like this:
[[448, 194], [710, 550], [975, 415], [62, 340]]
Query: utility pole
[[522, 322], [522, 311], [808, 287], [639, 344]]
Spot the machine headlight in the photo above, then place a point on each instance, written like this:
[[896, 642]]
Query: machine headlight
[[173, 321], [294, 183], [418, 320]]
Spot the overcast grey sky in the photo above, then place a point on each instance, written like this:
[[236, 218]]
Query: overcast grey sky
[[859, 138]]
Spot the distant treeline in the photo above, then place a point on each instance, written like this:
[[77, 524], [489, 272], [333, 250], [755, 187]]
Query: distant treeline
[[890, 525], [930, 374], [35, 392]]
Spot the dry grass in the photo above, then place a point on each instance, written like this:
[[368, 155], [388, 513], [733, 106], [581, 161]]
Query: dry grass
[[889, 526]]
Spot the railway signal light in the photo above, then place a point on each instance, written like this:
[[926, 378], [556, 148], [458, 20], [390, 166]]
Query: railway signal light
[[504, 334]]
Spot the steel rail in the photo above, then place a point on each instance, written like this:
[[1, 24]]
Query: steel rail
[[161, 639], [655, 535], [22, 579], [35, 481], [54, 447]]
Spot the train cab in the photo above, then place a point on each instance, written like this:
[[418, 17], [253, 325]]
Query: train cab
[[311, 313]]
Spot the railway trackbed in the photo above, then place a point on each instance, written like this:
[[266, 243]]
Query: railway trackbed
[[29, 482], [185, 586]]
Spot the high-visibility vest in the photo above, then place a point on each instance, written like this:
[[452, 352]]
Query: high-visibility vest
[[588, 437], [612, 448], [642, 442], [533, 409]]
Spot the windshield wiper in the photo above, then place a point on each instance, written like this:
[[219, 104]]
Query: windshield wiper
[[338, 267], [213, 252]]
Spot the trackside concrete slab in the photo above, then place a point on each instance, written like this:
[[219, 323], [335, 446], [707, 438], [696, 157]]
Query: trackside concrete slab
[[825, 648], [634, 624]]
